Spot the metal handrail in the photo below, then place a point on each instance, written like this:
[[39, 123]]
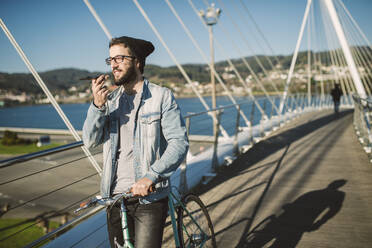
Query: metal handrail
[[26, 157], [362, 122], [214, 109], [69, 224]]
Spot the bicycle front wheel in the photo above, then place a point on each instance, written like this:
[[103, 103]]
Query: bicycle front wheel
[[194, 225]]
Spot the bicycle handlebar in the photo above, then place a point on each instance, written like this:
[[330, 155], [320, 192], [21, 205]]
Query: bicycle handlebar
[[108, 201]]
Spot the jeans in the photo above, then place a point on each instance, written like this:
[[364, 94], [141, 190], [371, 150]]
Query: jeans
[[145, 223], [337, 106]]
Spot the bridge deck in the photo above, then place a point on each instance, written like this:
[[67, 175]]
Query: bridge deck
[[277, 193]]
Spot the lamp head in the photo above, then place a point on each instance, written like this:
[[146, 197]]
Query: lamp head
[[212, 15]]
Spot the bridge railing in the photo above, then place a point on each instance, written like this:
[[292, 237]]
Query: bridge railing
[[40, 190], [62, 177], [362, 122]]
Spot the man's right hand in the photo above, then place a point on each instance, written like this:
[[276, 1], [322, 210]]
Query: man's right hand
[[99, 92]]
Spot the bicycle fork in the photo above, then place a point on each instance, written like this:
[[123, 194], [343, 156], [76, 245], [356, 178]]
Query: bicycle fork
[[171, 213], [124, 226]]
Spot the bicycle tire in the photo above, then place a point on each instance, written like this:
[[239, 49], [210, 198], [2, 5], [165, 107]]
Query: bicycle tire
[[189, 233]]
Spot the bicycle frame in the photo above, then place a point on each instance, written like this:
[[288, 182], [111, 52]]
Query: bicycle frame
[[173, 203], [171, 212], [124, 226]]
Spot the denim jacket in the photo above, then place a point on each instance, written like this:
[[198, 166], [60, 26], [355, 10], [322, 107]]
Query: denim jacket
[[160, 142]]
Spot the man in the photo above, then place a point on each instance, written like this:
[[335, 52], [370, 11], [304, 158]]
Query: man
[[144, 141], [336, 94]]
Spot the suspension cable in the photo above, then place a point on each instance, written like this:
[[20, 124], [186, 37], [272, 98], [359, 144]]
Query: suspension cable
[[338, 62], [248, 46], [234, 68], [184, 74], [206, 60], [315, 62], [343, 63], [187, 31], [258, 43], [317, 57], [326, 23], [266, 42], [44, 170], [355, 24], [51, 192], [224, 133], [49, 95], [360, 52], [41, 220], [268, 45], [259, 31], [294, 58], [327, 53], [98, 19]]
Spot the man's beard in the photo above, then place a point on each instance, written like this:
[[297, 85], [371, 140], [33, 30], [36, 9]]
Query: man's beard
[[128, 77]]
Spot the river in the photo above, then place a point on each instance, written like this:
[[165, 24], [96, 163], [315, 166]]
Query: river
[[45, 116]]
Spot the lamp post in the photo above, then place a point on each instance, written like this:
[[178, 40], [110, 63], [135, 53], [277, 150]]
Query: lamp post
[[210, 17]]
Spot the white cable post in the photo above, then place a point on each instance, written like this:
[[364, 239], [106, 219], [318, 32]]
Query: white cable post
[[98, 19], [345, 48], [294, 58], [49, 95]]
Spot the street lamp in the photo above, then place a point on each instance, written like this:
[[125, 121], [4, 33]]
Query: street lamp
[[210, 17]]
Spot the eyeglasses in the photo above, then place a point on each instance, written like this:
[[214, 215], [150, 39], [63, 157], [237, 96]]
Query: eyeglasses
[[117, 59]]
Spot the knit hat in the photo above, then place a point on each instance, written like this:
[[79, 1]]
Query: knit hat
[[140, 48]]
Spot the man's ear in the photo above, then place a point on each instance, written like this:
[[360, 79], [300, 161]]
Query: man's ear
[[137, 64]]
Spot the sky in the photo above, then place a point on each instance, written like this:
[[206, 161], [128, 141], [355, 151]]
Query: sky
[[58, 34]]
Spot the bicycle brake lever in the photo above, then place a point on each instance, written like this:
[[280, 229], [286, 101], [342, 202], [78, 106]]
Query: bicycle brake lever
[[89, 203]]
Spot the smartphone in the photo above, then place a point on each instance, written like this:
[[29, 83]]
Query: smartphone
[[107, 82]]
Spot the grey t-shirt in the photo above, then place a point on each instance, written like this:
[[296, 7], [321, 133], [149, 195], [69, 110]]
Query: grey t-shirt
[[125, 176]]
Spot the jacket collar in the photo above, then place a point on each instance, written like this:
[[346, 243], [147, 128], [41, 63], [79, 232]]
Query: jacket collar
[[113, 96], [145, 90]]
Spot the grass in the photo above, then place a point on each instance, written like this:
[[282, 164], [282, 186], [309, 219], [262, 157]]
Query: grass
[[24, 149], [31, 232]]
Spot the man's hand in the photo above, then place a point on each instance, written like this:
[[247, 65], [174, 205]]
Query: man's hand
[[141, 187], [99, 92]]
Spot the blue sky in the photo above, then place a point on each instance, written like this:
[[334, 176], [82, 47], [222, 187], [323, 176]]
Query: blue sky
[[62, 34]]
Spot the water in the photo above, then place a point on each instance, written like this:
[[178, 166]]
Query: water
[[45, 116]]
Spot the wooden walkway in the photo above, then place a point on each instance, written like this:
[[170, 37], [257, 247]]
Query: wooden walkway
[[308, 184]]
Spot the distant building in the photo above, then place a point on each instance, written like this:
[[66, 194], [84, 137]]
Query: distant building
[[227, 75], [72, 89]]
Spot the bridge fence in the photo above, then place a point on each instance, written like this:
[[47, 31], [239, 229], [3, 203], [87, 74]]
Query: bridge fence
[[362, 122]]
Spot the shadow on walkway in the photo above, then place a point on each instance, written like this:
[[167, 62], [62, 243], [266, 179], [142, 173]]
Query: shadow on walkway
[[267, 147], [305, 214], [261, 151]]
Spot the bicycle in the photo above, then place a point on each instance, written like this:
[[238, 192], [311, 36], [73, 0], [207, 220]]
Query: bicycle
[[192, 227]]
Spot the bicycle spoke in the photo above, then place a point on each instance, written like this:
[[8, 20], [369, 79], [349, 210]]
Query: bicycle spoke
[[195, 228]]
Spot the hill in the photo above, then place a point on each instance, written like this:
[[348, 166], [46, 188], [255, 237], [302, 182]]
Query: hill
[[61, 80]]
